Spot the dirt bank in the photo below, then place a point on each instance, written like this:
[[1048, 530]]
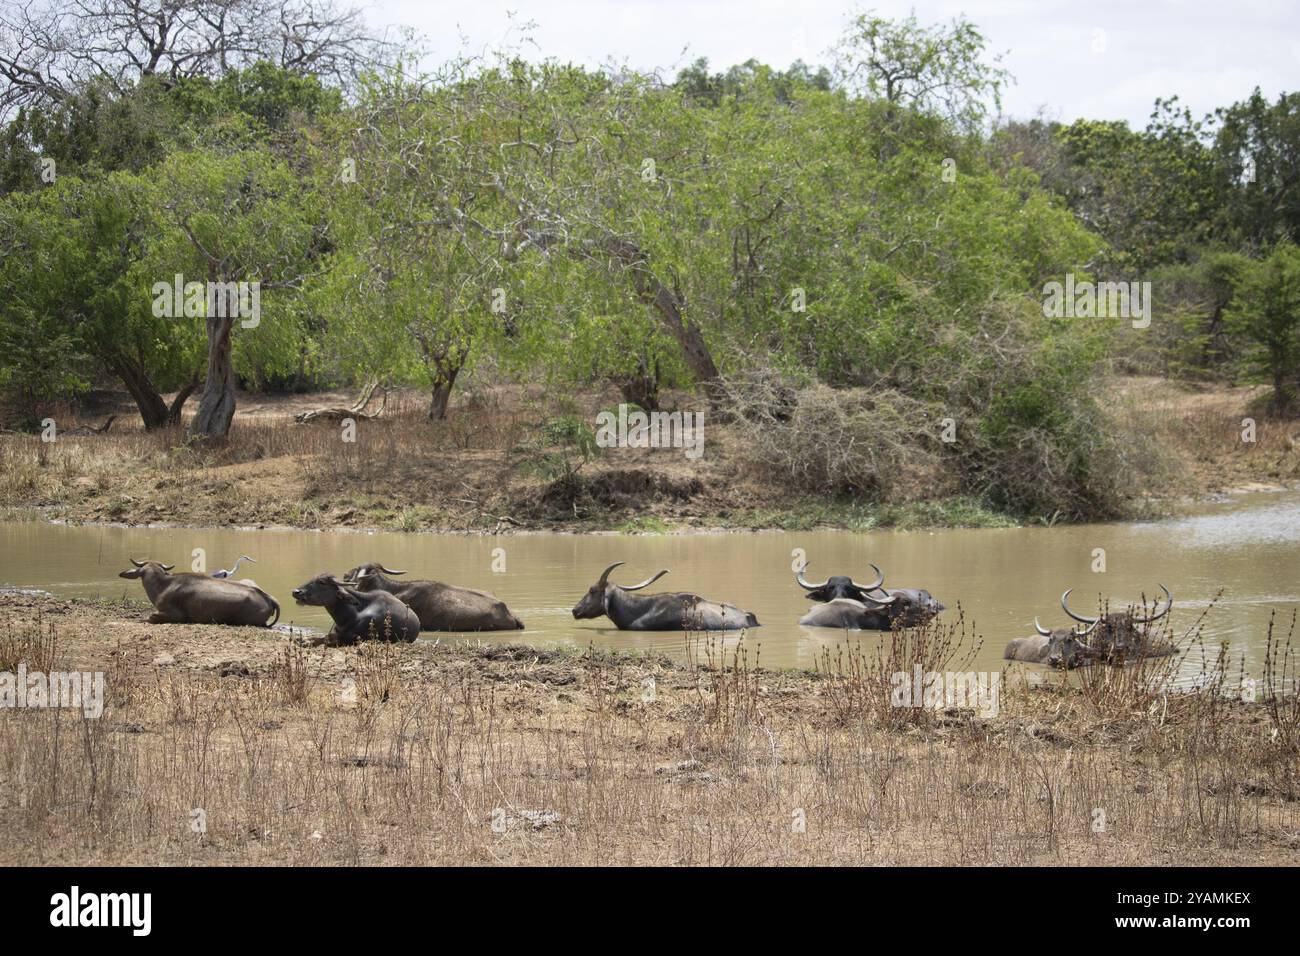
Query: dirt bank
[[229, 745], [480, 471]]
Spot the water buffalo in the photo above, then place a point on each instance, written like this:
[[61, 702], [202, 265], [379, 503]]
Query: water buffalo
[[1062, 647], [440, 607], [199, 599], [358, 616], [1121, 635], [848, 604], [658, 612], [1109, 639]]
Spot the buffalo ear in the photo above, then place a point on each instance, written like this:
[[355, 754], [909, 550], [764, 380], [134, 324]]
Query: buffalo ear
[[343, 589], [819, 594]]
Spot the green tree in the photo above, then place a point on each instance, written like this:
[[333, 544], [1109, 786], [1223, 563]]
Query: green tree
[[1266, 309], [423, 245], [1257, 149], [941, 69], [75, 284], [226, 219]]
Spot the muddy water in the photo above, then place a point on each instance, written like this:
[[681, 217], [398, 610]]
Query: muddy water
[[1249, 547]]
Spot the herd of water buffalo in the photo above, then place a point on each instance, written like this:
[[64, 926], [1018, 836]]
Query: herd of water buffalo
[[370, 604]]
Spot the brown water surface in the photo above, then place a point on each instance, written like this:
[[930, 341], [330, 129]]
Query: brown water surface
[[1002, 578]]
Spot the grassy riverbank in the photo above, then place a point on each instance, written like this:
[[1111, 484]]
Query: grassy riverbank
[[234, 745], [476, 473]]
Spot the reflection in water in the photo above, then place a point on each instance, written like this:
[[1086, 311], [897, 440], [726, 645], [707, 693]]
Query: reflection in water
[[1001, 578]]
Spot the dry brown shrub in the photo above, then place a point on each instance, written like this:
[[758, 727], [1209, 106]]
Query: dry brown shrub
[[875, 442]]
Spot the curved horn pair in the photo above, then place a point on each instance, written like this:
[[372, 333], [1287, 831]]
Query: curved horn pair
[[604, 579], [141, 564], [880, 579], [1169, 603], [798, 576]]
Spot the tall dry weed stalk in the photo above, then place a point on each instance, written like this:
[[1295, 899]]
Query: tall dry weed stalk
[[865, 668], [1282, 687], [32, 643]]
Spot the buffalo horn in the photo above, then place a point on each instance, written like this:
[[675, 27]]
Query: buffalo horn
[[880, 579], [1169, 602], [646, 583], [1077, 617], [604, 575], [798, 576]]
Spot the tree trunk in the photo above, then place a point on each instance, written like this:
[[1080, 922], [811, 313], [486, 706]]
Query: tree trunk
[[669, 306], [178, 403], [217, 404], [153, 410], [443, 381], [1283, 398], [641, 388]]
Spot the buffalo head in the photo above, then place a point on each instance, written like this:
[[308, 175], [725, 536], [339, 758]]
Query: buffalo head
[[142, 566], [593, 602], [1107, 637], [324, 590], [1066, 647], [1120, 633], [841, 586]]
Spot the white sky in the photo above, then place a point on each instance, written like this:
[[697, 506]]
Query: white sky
[[1209, 54]]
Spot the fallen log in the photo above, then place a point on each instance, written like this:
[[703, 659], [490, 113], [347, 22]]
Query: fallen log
[[357, 410], [93, 429]]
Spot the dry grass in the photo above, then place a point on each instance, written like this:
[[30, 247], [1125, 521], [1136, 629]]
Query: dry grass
[[424, 754], [1281, 684], [33, 643], [401, 473], [405, 473], [862, 677], [1203, 426]]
